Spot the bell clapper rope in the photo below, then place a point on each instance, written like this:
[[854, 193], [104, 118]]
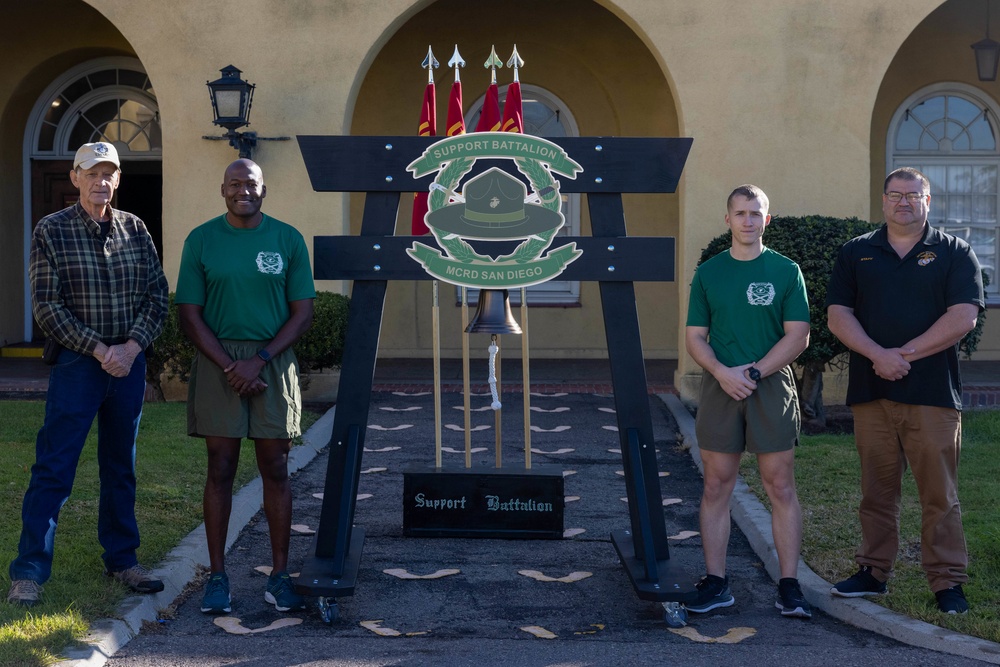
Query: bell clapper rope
[[493, 372]]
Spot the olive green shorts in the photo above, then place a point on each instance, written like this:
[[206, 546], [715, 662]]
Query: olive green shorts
[[215, 409], [765, 422]]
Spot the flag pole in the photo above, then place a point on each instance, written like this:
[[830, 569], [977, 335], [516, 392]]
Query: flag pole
[[513, 121], [456, 125], [429, 63], [525, 378], [465, 377], [497, 423]]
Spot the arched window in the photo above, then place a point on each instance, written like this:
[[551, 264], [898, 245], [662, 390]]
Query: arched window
[[544, 115], [950, 133], [110, 99]]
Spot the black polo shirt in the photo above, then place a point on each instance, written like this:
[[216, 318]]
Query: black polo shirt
[[896, 300]]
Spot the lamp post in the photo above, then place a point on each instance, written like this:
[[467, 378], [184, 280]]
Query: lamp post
[[987, 53], [231, 100]]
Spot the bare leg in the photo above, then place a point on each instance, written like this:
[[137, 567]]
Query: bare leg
[[777, 472], [720, 478], [217, 502], [272, 462]]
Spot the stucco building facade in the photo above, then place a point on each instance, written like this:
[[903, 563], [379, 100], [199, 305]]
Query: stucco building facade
[[813, 101]]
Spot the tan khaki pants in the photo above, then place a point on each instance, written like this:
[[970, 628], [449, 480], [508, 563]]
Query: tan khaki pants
[[889, 436]]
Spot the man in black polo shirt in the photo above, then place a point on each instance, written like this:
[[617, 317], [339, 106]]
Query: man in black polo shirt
[[901, 298]]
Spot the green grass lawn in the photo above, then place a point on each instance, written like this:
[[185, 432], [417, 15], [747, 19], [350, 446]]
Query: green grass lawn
[[170, 469], [827, 476]]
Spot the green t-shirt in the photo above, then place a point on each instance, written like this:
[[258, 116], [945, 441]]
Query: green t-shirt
[[244, 278], [745, 304]]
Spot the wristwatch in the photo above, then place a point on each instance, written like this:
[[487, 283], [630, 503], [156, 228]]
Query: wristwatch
[[263, 354], [754, 374]]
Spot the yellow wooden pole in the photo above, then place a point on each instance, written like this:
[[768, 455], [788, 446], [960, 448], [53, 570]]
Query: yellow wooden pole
[[496, 413], [436, 334], [465, 378], [526, 378]]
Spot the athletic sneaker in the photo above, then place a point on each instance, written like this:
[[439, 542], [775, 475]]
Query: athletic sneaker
[[713, 592], [217, 599], [952, 600], [791, 601], [24, 592], [858, 584], [139, 578], [281, 593]]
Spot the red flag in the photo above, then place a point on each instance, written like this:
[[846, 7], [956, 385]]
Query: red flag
[[456, 119], [428, 128], [489, 119], [513, 119]]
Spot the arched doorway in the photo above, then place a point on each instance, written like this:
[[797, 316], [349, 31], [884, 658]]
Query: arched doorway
[[106, 99], [579, 70]]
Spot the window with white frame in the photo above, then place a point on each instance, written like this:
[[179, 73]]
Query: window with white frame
[[950, 133], [546, 116], [108, 99]]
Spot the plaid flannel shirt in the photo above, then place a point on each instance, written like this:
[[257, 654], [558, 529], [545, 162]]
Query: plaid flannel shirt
[[87, 288]]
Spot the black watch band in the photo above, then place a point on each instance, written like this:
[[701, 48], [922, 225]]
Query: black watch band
[[754, 374], [263, 354]]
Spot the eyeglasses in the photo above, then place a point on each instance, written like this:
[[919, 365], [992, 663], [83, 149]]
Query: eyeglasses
[[912, 197]]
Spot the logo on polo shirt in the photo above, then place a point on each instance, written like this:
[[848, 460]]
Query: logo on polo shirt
[[925, 258], [760, 294]]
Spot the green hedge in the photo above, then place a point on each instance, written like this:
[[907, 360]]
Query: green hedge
[[320, 347]]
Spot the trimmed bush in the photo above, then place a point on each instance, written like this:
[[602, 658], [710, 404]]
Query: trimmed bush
[[323, 345], [320, 347]]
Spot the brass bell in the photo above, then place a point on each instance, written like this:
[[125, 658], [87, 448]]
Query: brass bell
[[493, 314]]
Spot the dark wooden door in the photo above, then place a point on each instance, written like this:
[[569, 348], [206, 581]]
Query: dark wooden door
[[51, 191]]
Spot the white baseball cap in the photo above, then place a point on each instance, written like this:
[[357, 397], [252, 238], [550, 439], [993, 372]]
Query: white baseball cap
[[90, 155]]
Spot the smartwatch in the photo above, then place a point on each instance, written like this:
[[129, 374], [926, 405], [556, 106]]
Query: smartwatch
[[753, 373], [263, 354]]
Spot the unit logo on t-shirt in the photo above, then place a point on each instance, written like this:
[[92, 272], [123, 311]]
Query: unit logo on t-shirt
[[760, 294], [269, 262], [925, 258]]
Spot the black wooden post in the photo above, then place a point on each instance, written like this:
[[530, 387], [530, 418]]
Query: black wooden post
[[611, 166]]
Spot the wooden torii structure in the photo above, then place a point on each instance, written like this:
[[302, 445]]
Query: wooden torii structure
[[377, 166]]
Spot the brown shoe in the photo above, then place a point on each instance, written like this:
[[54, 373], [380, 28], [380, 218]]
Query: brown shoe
[[24, 592], [138, 578]]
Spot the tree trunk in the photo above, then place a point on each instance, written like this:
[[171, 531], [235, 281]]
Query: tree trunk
[[154, 388], [811, 397]]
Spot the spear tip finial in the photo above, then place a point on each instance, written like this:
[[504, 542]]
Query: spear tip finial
[[492, 63], [456, 62], [515, 62], [429, 64]]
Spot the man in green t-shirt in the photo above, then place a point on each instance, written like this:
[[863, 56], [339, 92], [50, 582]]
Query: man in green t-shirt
[[748, 319], [245, 296]]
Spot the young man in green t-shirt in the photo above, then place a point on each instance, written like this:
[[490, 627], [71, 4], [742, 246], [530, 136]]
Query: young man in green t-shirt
[[245, 296], [748, 319]]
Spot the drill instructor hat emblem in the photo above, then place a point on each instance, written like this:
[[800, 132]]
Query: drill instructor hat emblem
[[495, 209]]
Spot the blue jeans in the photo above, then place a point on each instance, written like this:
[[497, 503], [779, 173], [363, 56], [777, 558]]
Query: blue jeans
[[79, 390]]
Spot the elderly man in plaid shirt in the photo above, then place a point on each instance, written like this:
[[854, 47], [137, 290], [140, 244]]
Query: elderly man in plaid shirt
[[99, 292]]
